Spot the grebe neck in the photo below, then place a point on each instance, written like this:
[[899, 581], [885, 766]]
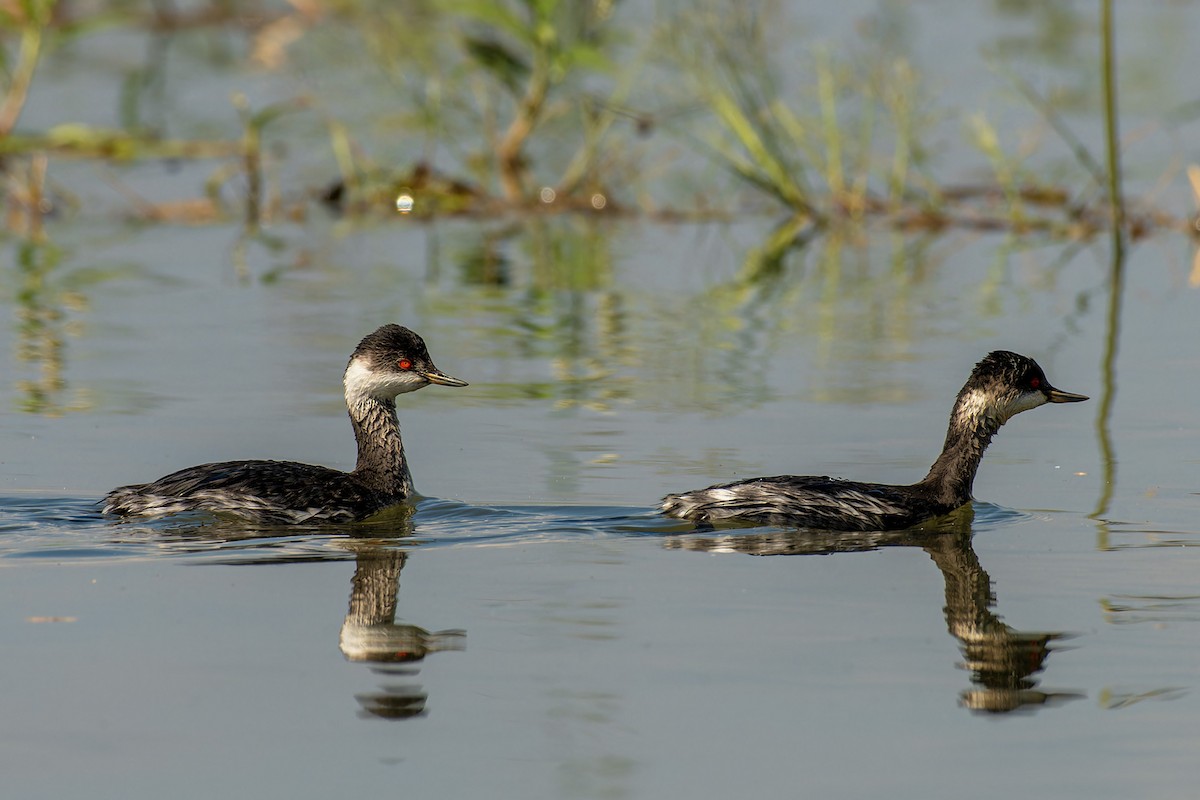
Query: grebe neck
[[381, 463], [973, 423]]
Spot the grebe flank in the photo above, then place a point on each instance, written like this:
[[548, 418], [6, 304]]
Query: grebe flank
[[389, 362], [1002, 385]]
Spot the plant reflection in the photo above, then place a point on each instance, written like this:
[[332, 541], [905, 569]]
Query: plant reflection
[[561, 304], [1108, 369], [576, 321], [1004, 662], [45, 300]]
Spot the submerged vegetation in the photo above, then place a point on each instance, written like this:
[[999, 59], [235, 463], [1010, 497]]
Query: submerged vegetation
[[479, 107]]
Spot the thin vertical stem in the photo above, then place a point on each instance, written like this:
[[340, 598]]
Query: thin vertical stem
[[1117, 269], [827, 92], [1112, 140], [1108, 374], [252, 163], [22, 74]]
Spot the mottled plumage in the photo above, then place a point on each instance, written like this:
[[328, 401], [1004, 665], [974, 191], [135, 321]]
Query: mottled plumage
[[391, 361], [1001, 385]]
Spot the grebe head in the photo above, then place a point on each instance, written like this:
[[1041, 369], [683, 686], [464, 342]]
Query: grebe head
[[391, 361], [1003, 385]]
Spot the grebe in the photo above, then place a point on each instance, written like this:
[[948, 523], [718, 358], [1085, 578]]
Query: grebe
[[389, 362], [1002, 385]]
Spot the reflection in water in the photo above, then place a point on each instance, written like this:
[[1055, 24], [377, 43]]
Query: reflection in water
[[1108, 367], [550, 284], [44, 302], [1116, 287], [1003, 661], [1157, 609], [371, 634], [1112, 699], [551, 290]]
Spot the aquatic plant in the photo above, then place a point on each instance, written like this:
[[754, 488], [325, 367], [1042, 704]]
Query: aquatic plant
[[814, 153], [550, 106], [30, 18]]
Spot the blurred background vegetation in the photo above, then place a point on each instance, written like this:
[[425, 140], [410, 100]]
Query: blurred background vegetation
[[479, 107], [534, 127]]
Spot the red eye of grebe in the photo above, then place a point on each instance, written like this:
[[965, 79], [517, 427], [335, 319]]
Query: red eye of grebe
[[1035, 382], [404, 363]]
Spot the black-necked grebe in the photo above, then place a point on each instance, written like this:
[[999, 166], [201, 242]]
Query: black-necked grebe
[[389, 362], [1001, 385]]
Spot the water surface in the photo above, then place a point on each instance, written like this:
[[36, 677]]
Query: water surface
[[534, 630]]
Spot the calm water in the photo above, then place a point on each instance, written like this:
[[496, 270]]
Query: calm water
[[534, 630]]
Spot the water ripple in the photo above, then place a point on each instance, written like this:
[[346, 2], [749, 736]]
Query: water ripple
[[72, 530]]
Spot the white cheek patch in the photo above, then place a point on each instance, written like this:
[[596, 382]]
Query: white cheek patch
[[360, 381]]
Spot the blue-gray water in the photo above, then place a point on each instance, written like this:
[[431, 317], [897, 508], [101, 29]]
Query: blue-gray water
[[534, 630], [606, 652]]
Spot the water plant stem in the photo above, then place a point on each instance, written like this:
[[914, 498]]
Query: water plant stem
[[1111, 138], [1116, 281], [509, 152], [27, 60]]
